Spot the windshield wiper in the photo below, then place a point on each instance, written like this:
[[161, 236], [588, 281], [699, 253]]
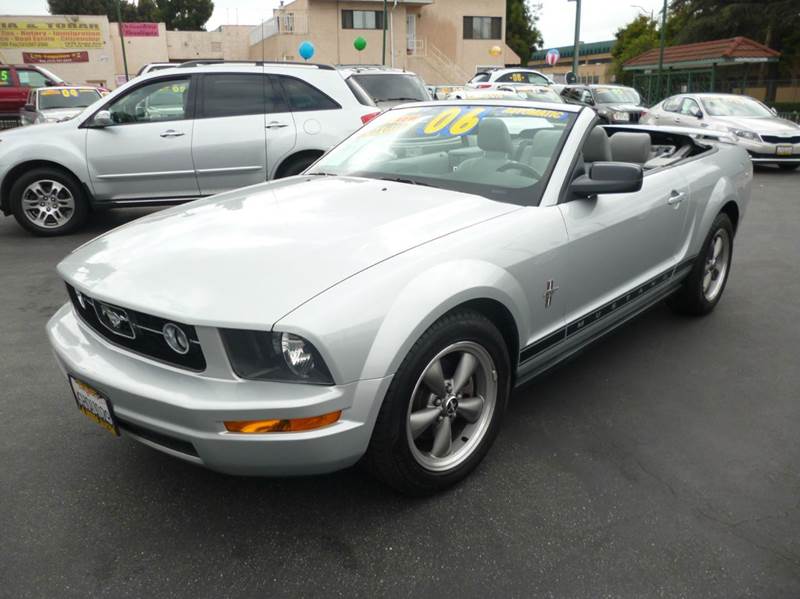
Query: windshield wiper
[[399, 100], [406, 180], [321, 174]]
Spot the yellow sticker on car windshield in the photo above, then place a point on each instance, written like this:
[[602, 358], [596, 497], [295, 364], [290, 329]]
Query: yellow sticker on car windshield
[[73, 92], [49, 92], [540, 112]]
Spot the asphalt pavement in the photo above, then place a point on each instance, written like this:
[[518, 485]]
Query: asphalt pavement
[[662, 462]]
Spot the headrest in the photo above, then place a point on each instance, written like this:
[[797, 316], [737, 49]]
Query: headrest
[[597, 147], [546, 142], [630, 147], [493, 136]]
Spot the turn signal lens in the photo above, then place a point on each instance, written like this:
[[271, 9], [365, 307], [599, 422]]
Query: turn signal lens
[[282, 426]]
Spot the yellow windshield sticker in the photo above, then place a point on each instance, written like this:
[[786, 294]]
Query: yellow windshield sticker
[[441, 120], [540, 112]]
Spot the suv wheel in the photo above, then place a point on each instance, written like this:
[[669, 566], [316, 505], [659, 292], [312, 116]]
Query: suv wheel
[[48, 202]]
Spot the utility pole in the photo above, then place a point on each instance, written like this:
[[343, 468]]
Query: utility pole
[[661, 49], [575, 49], [122, 39], [383, 53]]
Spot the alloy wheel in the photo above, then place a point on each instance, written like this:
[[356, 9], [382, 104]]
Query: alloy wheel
[[716, 265], [48, 204]]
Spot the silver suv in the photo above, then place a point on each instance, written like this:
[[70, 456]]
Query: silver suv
[[176, 135]]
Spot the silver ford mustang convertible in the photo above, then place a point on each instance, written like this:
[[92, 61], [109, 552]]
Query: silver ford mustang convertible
[[381, 306]]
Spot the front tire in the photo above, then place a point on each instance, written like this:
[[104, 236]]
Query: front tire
[[702, 289], [444, 407], [48, 202]]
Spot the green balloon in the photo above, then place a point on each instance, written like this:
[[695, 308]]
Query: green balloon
[[359, 43]]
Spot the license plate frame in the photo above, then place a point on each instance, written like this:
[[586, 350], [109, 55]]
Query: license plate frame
[[784, 150], [94, 405]]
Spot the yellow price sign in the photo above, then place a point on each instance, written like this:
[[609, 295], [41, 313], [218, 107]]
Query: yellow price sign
[[65, 93], [464, 124]]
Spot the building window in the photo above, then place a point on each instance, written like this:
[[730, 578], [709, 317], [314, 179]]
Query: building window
[[362, 19], [483, 28]]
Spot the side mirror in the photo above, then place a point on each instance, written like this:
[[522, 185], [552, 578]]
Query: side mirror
[[102, 119], [697, 113], [608, 177], [774, 111], [29, 108]]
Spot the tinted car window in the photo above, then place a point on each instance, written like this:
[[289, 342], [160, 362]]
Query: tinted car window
[[389, 87], [689, 107], [236, 94], [31, 78], [164, 100], [302, 96], [67, 98], [480, 77]]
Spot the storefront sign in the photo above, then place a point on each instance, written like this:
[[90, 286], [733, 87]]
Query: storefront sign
[[140, 29], [50, 34], [54, 57]]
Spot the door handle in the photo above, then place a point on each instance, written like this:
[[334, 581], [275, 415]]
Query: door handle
[[676, 120], [676, 197], [172, 133], [275, 125]]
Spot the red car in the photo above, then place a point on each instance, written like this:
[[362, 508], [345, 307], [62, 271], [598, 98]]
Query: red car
[[15, 83]]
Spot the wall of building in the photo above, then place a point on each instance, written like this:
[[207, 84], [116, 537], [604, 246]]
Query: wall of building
[[139, 50], [100, 67]]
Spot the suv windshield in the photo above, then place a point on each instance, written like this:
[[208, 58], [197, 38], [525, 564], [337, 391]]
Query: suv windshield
[[66, 98], [500, 152], [391, 87], [616, 95], [732, 106]]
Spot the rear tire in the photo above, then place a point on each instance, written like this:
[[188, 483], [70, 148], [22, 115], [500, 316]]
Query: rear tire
[[425, 440], [702, 289], [48, 202], [296, 165]]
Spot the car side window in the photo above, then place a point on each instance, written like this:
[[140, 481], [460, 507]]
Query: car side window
[[672, 104], [163, 100], [237, 94], [302, 96], [28, 78], [690, 107]]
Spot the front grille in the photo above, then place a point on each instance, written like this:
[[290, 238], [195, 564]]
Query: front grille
[[777, 139], [9, 122], [143, 335], [635, 116]]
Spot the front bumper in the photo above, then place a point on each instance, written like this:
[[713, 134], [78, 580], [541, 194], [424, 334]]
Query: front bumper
[[764, 152], [182, 413]]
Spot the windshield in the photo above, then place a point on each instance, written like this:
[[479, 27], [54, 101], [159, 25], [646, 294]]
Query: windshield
[[500, 152], [616, 95], [391, 87], [67, 98], [733, 106]]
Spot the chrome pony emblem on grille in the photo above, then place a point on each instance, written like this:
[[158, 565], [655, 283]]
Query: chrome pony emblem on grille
[[115, 320], [176, 338]]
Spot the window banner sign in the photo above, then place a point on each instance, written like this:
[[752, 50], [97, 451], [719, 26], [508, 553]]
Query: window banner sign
[[140, 29], [54, 57], [50, 34]]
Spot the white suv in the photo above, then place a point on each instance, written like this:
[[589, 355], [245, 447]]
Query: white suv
[[176, 135], [384, 86], [492, 77]]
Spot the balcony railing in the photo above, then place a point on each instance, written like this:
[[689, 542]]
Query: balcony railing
[[282, 23]]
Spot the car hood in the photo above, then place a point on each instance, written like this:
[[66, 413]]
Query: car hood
[[768, 125], [61, 113], [623, 107], [28, 134], [248, 257]]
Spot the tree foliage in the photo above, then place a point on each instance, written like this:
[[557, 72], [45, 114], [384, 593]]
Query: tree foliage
[[186, 15], [638, 36], [522, 34]]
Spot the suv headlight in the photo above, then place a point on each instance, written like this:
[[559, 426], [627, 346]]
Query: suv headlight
[[266, 356], [621, 116], [745, 134]]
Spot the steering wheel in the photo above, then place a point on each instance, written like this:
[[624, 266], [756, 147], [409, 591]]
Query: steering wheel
[[523, 168]]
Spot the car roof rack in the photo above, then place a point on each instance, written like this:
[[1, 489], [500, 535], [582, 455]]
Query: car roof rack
[[212, 61]]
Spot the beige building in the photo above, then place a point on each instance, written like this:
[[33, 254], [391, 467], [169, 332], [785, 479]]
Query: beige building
[[444, 41]]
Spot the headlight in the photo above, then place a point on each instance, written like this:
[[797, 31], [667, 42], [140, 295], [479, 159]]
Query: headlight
[[745, 134], [265, 356], [621, 116]]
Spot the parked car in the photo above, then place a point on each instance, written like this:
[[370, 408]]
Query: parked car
[[382, 306], [470, 93], [491, 77], [613, 103], [535, 93], [442, 92], [54, 105], [15, 83], [157, 66], [173, 136], [767, 138], [385, 87]]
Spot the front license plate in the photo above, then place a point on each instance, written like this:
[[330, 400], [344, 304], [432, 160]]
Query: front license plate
[[784, 150], [94, 406]]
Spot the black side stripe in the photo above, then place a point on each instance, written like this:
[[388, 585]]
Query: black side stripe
[[594, 316]]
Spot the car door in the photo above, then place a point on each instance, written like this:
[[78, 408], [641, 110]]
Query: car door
[[27, 114], [12, 94], [619, 242], [229, 145], [146, 153], [691, 115]]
